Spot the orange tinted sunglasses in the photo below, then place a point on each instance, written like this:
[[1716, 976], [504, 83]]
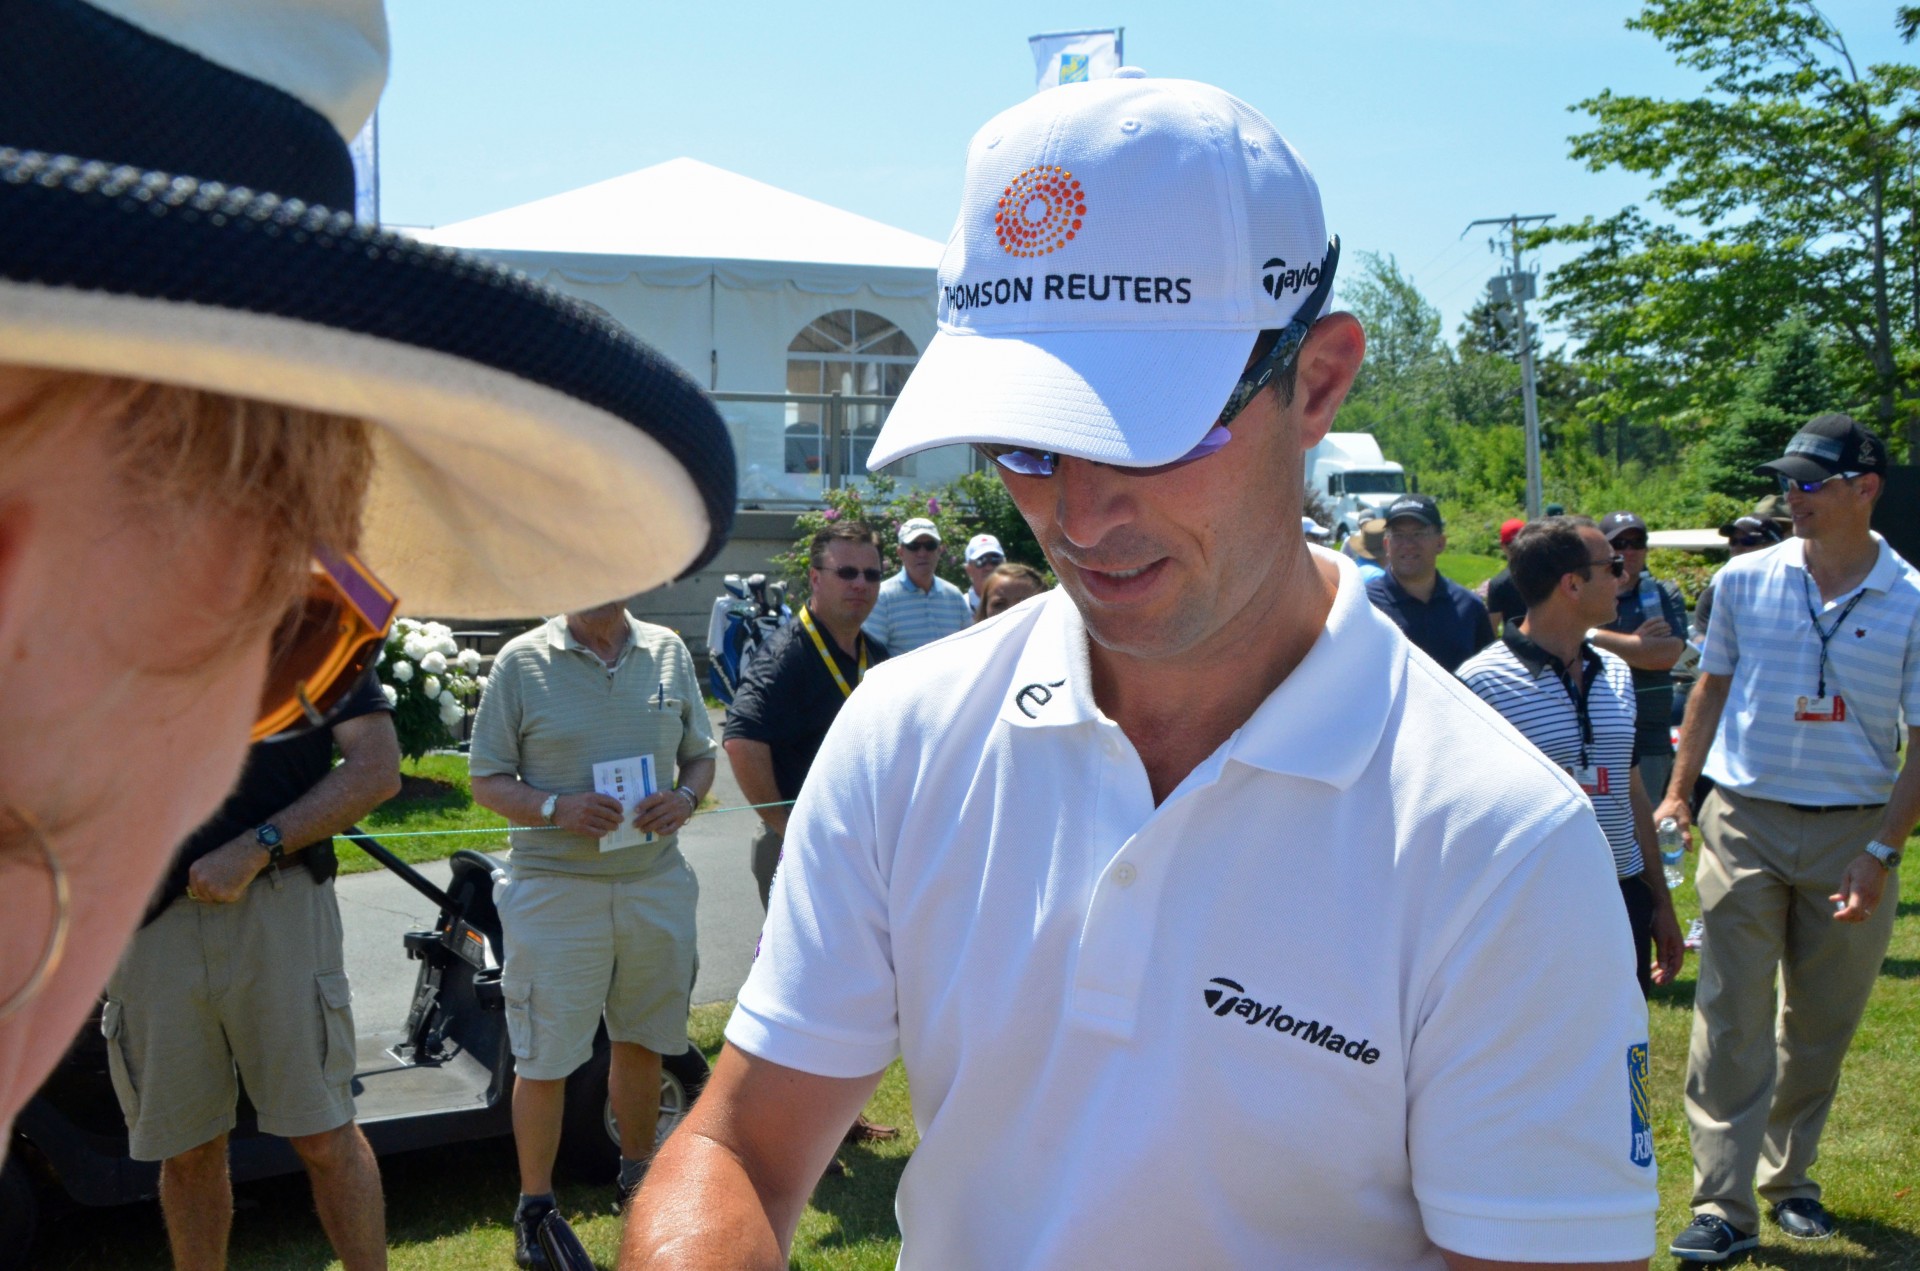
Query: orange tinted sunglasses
[[321, 649]]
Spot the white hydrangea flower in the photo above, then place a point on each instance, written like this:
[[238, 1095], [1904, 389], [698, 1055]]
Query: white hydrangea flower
[[447, 698], [448, 646], [434, 663], [480, 683], [403, 670], [431, 687], [415, 647], [393, 694], [469, 660], [451, 715]]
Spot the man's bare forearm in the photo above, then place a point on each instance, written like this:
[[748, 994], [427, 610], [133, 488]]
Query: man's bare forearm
[[367, 776], [753, 770], [510, 797], [1643, 653], [1903, 805], [1704, 706], [711, 1219]]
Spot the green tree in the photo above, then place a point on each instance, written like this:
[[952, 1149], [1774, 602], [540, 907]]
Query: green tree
[[1799, 165], [1403, 329], [1789, 384]]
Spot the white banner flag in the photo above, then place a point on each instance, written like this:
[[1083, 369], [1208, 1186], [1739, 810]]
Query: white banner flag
[[365, 149], [1072, 57]]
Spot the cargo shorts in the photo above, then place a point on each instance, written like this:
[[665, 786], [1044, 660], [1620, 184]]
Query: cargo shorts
[[580, 947], [208, 996]]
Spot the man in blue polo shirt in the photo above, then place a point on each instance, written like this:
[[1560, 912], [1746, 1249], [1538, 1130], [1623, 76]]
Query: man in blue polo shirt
[[917, 606], [1443, 619]]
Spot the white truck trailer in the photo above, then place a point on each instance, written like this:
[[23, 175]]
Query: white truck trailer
[[1357, 481]]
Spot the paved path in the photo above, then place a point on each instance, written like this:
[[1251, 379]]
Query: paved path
[[375, 908]]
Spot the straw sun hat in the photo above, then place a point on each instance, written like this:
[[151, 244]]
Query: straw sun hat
[[170, 174]]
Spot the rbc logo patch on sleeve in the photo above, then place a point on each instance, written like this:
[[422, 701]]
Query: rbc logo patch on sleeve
[[1642, 1153]]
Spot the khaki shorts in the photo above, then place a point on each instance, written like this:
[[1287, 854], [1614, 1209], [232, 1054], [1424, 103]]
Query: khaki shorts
[[579, 947], [256, 986]]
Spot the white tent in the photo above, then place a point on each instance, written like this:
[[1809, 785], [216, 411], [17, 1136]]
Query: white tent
[[749, 287]]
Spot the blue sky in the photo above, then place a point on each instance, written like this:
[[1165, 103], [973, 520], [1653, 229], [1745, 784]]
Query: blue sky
[[1415, 117]]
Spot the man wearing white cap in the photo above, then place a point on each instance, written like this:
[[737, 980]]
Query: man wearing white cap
[[916, 606], [984, 555], [1194, 823]]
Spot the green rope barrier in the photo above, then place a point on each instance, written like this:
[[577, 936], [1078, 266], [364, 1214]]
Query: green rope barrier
[[506, 827]]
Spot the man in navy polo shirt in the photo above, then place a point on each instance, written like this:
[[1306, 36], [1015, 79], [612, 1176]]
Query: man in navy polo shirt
[[1443, 619]]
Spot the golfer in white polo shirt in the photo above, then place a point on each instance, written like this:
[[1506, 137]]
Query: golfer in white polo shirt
[[1215, 927]]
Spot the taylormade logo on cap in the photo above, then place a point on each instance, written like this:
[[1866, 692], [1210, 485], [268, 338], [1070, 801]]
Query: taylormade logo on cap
[[1131, 201]]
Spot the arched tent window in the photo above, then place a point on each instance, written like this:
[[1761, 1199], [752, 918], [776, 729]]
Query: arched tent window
[[849, 351]]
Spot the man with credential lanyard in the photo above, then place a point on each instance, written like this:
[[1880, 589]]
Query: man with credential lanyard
[[1812, 656], [1576, 703], [795, 686], [1193, 823]]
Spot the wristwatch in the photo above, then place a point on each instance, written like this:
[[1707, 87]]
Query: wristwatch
[[1890, 857], [546, 808], [268, 837]]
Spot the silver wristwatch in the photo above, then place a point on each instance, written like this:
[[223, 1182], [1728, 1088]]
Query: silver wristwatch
[[1890, 857], [546, 808]]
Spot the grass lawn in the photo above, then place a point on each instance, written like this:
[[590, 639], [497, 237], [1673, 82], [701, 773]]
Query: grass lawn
[[451, 809], [1469, 570]]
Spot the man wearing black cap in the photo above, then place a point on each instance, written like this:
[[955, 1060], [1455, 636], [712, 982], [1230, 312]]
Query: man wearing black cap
[[1744, 534], [1812, 657], [1443, 619], [1649, 634]]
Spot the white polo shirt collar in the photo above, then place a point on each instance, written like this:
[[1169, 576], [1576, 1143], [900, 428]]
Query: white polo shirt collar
[[1884, 574], [1323, 722]]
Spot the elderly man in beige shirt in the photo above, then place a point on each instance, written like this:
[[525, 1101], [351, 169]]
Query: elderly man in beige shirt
[[592, 929]]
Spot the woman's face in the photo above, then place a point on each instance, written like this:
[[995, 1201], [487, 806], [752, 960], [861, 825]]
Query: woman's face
[[125, 709], [1005, 593]]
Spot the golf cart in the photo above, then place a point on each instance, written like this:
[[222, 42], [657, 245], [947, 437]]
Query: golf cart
[[444, 1077]]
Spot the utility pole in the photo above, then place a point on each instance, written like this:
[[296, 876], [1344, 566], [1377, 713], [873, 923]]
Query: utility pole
[[1516, 288]]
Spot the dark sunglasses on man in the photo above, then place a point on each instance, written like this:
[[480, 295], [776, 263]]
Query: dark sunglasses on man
[[847, 573], [1044, 463], [322, 648], [924, 545], [1616, 565], [1631, 543], [990, 561]]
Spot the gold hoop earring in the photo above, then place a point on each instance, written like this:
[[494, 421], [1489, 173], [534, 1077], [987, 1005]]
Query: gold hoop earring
[[62, 919]]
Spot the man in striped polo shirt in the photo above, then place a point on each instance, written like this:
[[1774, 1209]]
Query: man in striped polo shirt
[[1575, 703], [1812, 655], [917, 606]]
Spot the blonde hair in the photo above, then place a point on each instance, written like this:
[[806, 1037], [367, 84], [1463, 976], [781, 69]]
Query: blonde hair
[[294, 477]]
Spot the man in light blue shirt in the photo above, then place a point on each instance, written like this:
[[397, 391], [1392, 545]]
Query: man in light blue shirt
[[915, 606]]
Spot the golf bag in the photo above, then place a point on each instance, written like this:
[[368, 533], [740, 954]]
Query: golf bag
[[743, 620]]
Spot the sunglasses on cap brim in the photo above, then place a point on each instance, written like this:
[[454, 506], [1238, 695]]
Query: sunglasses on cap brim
[[321, 649], [1044, 463]]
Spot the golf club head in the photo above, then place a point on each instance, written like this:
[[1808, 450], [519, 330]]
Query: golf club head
[[776, 596], [563, 1249], [735, 587]]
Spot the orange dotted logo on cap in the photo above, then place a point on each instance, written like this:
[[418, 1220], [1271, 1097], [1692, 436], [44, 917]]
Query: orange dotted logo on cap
[[1040, 211]]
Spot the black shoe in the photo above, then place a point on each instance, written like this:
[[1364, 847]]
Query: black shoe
[[1804, 1218], [1712, 1238], [526, 1240], [623, 1193]]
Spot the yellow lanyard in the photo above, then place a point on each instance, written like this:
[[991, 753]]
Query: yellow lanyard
[[833, 668]]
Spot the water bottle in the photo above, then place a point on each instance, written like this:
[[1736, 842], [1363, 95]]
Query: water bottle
[[1672, 846]]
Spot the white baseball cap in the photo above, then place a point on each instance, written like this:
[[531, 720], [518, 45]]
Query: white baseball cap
[[918, 528], [984, 545], [1121, 243]]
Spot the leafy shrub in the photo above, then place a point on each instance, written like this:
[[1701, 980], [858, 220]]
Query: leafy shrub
[[430, 680]]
